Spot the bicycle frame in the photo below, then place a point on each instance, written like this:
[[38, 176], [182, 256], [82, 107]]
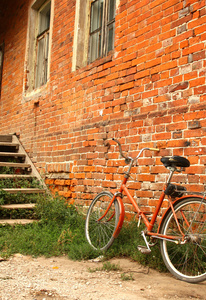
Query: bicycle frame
[[141, 214], [180, 230], [148, 223]]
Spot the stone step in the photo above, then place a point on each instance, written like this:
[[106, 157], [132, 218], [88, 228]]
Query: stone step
[[12, 154], [17, 221], [4, 144], [24, 191], [18, 206], [14, 165], [5, 138], [11, 149], [12, 176]]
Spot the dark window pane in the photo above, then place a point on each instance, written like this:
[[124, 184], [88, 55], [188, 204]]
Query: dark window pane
[[1, 57], [46, 58], [44, 18], [1, 63], [101, 28], [95, 46], [111, 10], [42, 60], [42, 45], [96, 15], [110, 45]]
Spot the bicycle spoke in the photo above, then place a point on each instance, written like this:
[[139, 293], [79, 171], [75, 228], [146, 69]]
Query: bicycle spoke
[[186, 261], [100, 226]]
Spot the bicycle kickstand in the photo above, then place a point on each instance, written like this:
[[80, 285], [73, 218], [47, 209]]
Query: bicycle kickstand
[[144, 249]]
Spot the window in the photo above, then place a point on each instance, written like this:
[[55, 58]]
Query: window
[[1, 63], [38, 45], [42, 45], [94, 31], [102, 21]]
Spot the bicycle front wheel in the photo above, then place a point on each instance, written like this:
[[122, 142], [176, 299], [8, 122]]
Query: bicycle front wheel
[[186, 260], [99, 231]]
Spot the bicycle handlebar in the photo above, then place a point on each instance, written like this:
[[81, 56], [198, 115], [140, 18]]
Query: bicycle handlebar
[[130, 158], [154, 149], [120, 148]]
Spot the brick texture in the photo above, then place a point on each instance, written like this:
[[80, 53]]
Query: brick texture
[[149, 91]]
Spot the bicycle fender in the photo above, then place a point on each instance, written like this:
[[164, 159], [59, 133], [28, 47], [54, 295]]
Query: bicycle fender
[[121, 217], [174, 203]]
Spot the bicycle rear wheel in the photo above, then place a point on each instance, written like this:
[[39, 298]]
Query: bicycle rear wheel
[[99, 232], [186, 261]]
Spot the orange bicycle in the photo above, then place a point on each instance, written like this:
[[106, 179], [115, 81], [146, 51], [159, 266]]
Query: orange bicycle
[[181, 230]]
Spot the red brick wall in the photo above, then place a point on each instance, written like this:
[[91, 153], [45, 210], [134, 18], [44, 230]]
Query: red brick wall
[[150, 91]]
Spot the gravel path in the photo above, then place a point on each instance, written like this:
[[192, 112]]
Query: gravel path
[[24, 277]]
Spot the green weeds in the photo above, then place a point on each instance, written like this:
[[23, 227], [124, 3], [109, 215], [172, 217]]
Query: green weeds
[[127, 277], [107, 267], [60, 231]]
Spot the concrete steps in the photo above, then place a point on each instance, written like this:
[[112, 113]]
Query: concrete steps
[[16, 168]]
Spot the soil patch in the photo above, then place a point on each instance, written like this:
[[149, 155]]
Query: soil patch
[[24, 277]]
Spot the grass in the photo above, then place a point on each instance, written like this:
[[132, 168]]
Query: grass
[[107, 267], [61, 231], [127, 277]]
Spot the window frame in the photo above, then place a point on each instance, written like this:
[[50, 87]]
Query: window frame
[[30, 86], [1, 66], [45, 34], [81, 41], [103, 29]]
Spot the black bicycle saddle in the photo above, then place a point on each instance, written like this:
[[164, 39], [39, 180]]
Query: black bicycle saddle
[[175, 161]]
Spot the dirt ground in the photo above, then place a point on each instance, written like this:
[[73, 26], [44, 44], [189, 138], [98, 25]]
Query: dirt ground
[[24, 277]]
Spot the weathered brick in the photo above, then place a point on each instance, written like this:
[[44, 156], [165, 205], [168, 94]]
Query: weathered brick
[[180, 86]]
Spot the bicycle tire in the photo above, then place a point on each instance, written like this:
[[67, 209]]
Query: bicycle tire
[[99, 234], [187, 261]]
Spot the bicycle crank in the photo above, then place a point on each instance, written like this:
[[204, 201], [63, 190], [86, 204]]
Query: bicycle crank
[[144, 249]]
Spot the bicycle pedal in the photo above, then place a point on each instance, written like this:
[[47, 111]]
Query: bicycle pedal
[[144, 250]]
